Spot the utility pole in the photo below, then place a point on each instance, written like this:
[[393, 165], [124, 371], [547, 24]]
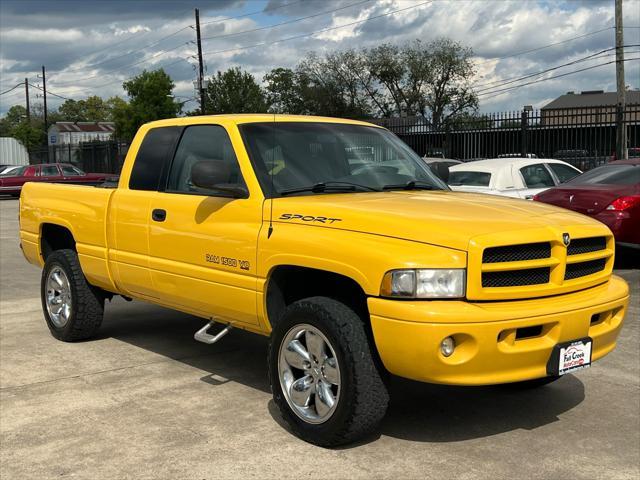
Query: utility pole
[[26, 96], [621, 128], [44, 92], [200, 67]]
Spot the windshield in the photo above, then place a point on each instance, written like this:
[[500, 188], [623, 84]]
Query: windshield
[[609, 175], [297, 155]]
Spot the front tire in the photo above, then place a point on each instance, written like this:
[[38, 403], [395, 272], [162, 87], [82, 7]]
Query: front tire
[[323, 375], [72, 308]]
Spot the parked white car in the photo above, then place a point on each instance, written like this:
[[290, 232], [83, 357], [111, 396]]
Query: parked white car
[[510, 177]]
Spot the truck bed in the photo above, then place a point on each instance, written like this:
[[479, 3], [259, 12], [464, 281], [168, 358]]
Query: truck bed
[[79, 208]]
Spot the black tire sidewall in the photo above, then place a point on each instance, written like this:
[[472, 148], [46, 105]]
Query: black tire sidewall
[[306, 313], [58, 259]]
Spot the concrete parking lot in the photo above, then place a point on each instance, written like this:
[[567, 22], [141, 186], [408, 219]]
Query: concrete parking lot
[[144, 400]]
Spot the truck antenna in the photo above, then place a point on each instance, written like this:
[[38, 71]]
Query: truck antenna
[[273, 166]]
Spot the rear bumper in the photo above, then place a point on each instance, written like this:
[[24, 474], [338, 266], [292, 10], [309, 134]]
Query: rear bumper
[[623, 225], [489, 347]]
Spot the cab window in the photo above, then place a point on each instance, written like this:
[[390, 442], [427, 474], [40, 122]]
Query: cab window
[[202, 143], [536, 176], [563, 172], [71, 171], [49, 171]]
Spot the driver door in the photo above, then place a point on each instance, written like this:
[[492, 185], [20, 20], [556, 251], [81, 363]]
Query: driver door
[[202, 243]]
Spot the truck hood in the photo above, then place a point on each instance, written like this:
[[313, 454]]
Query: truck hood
[[443, 218]]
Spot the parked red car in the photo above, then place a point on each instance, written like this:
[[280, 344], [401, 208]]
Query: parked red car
[[609, 193], [49, 172]]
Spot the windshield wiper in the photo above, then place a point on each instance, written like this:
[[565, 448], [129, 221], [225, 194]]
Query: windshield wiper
[[322, 187], [410, 185]]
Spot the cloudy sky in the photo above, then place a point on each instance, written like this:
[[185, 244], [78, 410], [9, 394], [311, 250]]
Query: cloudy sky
[[89, 47]]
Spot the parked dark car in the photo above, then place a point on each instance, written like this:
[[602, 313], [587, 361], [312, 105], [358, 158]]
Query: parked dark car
[[49, 172], [609, 193], [440, 166], [632, 152]]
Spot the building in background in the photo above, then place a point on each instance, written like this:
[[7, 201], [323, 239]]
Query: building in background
[[12, 152], [75, 133], [595, 106]]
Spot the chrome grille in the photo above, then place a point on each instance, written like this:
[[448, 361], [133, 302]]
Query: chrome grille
[[582, 269], [517, 253], [586, 245], [516, 278]]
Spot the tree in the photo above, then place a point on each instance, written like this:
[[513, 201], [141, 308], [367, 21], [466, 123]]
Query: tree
[[446, 89], [14, 116], [150, 99], [234, 91], [282, 91], [30, 136], [91, 109], [14, 124]]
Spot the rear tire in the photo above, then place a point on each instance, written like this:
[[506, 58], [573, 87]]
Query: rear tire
[[72, 308], [346, 373]]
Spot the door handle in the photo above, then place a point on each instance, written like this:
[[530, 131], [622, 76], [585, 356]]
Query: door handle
[[159, 215]]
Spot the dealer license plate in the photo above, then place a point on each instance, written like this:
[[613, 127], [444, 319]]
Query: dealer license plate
[[570, 357]]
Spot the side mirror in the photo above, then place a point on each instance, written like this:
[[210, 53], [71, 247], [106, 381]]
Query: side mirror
[[441, 170], [214, 175]]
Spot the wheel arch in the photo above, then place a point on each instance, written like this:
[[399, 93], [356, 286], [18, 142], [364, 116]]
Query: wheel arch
[[287, 283], [55, 236]]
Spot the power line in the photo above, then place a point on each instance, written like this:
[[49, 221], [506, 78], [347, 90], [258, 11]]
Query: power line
[[507, 81], [108, 72], [152, 44], [256, 12], [544, 46], [141, 34], [318, 31], [12, 88], [287, 22], [504, 90], [49, 92]]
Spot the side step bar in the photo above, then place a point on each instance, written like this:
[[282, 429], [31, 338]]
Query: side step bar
[[204, 337]]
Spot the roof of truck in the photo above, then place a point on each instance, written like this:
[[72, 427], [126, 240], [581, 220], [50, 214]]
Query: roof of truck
[[239, 118]]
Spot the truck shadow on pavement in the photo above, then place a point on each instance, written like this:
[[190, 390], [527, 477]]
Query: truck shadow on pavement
[[417, 412]]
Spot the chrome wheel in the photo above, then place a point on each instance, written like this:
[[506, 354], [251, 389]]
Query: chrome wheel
[[309, 373], [58, 297]]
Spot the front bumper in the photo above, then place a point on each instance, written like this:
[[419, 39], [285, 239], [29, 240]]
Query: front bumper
[[496, 342]]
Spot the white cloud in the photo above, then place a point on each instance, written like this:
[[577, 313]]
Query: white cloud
[[94, 57], [117, 31], [48, 35]]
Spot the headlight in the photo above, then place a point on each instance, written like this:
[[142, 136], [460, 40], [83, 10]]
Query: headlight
[[436, 283]]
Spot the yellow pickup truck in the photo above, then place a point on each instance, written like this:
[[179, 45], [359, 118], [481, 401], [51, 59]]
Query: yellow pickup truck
[[333, 238]]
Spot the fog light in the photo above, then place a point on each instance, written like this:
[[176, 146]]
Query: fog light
[[447, 346]]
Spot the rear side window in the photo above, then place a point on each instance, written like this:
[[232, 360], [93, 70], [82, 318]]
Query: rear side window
[[157, 146], [563, 172], [476, 179], [49, 171], [537, 176], [71, 171]]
